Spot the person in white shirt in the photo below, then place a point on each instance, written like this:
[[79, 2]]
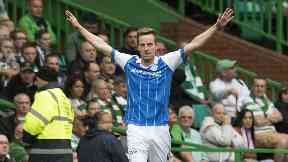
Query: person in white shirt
[[228, 90]]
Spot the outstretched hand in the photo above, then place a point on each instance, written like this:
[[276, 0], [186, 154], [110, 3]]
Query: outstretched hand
[[72, 19], [224, 19]]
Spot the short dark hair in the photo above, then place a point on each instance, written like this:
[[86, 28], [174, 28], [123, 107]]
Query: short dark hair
[[27, 45], [129, 30], [89, 17]]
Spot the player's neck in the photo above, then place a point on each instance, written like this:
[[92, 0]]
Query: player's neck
[[147, 62]]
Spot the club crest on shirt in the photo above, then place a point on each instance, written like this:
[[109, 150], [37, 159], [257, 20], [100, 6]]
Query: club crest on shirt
[[154, 67]]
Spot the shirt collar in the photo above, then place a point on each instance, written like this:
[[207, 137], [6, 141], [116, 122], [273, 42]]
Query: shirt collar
[[138, 61]]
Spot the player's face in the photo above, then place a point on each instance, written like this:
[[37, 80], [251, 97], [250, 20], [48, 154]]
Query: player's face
[[147, 47]]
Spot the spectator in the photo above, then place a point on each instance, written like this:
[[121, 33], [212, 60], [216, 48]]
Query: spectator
[[74, 41], [266, 115], [29, 53], [52, 61], [8, 64], [227, 89], [92, 108], [131, 45], [74, 88], [282, 106], [245, 127], [21, 83], [34, 21], [79, 130], [91, 73], [43, 40], [99, 144], [7, 120], [102, 94], [108, 70], [217, 131], [160, 48], [20, 38], [7, 22], [104, 35], [186, 115], [4, 32], [4, 149], [87, 54], [120, 93], [17, 150], [23, 105]]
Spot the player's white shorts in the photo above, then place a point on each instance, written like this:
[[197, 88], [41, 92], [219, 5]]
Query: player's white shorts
[[150, 143]]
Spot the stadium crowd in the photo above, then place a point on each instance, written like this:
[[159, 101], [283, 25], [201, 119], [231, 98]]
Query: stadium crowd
[[229, 115]]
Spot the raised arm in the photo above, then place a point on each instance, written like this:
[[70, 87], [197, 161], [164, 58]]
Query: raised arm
[[96, 41], [202, 38]]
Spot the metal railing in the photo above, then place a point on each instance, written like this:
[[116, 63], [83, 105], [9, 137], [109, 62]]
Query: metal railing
[[258, 20]]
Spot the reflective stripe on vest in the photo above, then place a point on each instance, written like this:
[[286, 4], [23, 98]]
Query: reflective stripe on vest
[[45, 121], [50, 151]]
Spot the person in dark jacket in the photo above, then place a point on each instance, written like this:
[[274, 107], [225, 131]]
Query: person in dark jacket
[[99, 144], [282, 106]]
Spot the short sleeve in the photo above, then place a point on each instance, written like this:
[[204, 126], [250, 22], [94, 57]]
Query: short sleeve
[[174, 59], [120, 58]]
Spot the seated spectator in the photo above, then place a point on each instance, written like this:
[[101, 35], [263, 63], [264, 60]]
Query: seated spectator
[[186, 115], [20, 38], [4, 32], [23, 105], [17, 150], [21, 83], [43, 41], [102, 94], [34, 21], [227, 89], [245, 127], [160, 48], [108, 70], [8, 64], [87, 54], [217, 131], [266, 115], [73, 45], [104, 35], [282, 106], [53, 61], [29, 53], [79, 130], [7, 22], [92, 108], [120, 93], [99, 144], [91, 73], [74, 88], [4, 149], [131, 45]]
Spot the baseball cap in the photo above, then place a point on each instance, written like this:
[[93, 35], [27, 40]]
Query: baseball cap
[[225, 64], [27, 69]]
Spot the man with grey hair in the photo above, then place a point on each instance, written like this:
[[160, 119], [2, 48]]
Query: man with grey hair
[[4, 149], [186, 116], [217, 131], [23, 105], [229, 90]]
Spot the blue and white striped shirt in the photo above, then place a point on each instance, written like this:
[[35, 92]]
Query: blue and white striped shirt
[[148, 87]]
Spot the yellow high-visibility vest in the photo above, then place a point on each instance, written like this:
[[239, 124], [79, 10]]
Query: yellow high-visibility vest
[[51, 116]]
